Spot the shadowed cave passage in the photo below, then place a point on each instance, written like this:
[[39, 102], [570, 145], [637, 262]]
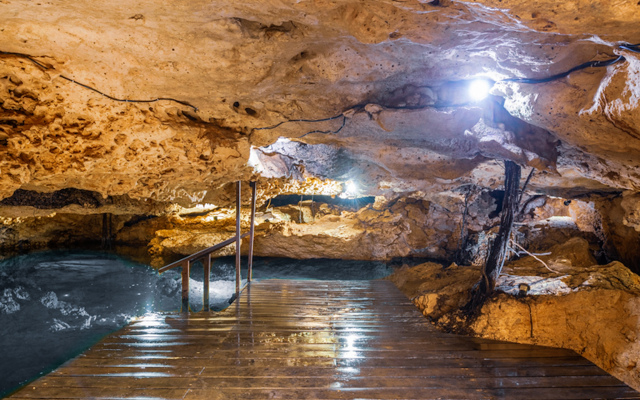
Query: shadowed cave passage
[[353, 204]]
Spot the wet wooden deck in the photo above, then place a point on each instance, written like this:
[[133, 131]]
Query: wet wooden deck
[[317, 340]]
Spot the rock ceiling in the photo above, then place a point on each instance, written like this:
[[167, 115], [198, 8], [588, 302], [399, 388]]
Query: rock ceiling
[[387, 81]]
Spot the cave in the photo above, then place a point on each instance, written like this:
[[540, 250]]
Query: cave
[[483, 156]]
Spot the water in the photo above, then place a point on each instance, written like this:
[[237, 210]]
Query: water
[[53, 305]]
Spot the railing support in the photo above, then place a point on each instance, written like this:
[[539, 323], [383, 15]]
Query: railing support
[[238, 237], [186, 266], [252, 229], [205, 254], [206, 264]]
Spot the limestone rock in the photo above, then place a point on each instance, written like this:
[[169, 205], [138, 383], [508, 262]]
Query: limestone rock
[[434, 289], [382, 86], [566, 258], [605, 331], [592, 309]]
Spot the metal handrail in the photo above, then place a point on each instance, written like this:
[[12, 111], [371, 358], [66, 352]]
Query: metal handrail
[[202, 253], [185, 263]]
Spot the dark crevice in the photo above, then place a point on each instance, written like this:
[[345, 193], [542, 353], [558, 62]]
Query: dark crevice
[[498, 196], [53, 200], [137, 219], [294, 199]]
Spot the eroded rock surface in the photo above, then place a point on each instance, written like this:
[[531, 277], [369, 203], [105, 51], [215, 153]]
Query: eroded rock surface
[[592, 309], [386, 80], [130, 121]]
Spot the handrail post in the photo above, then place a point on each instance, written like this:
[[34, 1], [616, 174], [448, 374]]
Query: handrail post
[[252, 229], [186, 266], [206, 264], [238, 238]]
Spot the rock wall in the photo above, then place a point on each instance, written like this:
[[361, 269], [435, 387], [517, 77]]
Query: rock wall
[[620, 222], [168, 103], [600, 323], [571, 302], [404, 228], [421, 226]]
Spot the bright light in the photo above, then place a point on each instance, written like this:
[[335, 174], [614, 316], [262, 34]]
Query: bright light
[[350, 190], [479, 89], [254, 160], [352, 187]]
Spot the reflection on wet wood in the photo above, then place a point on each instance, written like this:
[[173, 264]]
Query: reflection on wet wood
[[317, 340]]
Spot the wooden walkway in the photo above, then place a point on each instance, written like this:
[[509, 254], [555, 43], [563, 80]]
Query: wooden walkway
[[317, 340]]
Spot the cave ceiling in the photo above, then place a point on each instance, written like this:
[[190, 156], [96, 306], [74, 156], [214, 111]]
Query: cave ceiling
[[303, 95]]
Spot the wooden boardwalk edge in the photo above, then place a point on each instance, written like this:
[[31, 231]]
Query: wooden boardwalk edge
[[310, 339]]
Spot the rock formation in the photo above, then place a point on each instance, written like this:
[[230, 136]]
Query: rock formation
[[570, 302], [127, 124]]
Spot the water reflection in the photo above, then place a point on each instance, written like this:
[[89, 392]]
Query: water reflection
[[349, 349]]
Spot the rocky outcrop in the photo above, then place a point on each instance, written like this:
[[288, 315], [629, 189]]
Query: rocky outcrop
[[427, 226], [377, 231], [376, 93], [408, 228], [128, 122], [570, 302]]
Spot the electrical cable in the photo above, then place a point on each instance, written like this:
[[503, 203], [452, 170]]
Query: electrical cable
[[631, 47], [46, 68], [184, 103], [589, 64], [604, 63], [28, 57], [344, 122], [299, 120]]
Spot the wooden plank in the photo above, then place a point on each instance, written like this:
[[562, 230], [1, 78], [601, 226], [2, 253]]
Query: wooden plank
[[204, 361], [402, 393], [167, 381], [308, 339], [43, 392], [364, 345], [283, 372]]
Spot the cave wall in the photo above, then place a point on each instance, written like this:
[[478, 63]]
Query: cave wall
[[571, 302], [299, 227], [130, 98], [622, 236]]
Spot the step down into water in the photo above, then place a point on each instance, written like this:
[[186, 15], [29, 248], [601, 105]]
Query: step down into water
[[317, 340]]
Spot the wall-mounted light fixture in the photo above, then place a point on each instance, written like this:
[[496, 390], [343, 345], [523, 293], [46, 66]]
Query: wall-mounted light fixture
[[523, 289], [350, 190], [479, 89]]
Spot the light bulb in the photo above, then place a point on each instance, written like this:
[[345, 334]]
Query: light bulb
[[479, 89], [352, 187]]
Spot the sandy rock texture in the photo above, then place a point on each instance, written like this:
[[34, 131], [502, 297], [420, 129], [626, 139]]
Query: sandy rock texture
[[308, 231], [385, 81], [359, 231], [425, 225], [159, 108], [571, 302]]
